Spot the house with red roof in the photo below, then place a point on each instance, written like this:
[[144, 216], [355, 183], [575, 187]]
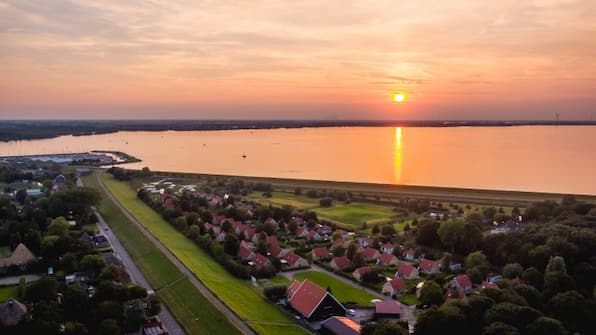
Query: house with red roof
[[409, 254], [312, 236], [406, 271], [245, 253], [387, 248], [250, 233], [276, 251], [388, 309], [365, 241], [218, 219], [260, 261], [301, 232], [320, 253], [239, 227], [387, 259], [395, 286], [272, 240], [486, 284], [313, 302], [291, 260], [370, 254], [428, 266], [361, 271], [463, 284], [340, 263]]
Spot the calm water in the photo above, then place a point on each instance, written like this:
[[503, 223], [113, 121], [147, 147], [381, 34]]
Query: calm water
[[537, 158]]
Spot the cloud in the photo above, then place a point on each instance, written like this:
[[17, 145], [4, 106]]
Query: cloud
[[280, 53]]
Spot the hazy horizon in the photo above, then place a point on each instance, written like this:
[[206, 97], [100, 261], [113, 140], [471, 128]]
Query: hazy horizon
[[339, 60]]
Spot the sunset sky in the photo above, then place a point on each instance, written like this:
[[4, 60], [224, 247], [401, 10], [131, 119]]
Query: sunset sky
[[297, 59]]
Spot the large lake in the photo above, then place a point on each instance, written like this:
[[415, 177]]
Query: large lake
[[526, 158]]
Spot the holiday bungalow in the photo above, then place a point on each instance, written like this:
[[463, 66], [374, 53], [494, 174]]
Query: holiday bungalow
[[313, 302]]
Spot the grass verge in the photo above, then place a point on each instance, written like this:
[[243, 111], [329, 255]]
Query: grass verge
[[192, 310], [7, 292], [248, 303]]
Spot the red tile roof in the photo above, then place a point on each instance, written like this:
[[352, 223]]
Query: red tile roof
[[463, 281], [398, 284], [369, 253], [428, 265], [364, 270], [244, 253], [306, 297], [342, 261], [388, 307], [293, 288], [386, 259], [291, 258], [321, 252], [260, 261], [274, 251], [272, 240], [405, 269], [487, 284]]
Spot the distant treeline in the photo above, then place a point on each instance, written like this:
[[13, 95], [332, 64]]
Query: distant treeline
[[28, 129]]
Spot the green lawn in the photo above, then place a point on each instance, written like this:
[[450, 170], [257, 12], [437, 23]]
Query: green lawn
[[7, 292], [249, 304], [284, 198], [279, 280], [4, 251], [341, 291], [409, 299], [353, 214], [192, 310], [345, 215]]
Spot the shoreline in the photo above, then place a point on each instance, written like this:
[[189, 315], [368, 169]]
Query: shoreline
[[388, 191], [23, 130]]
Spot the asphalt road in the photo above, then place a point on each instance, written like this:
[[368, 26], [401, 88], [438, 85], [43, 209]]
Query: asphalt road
[[13, 280], [239, 323], [136, 275]]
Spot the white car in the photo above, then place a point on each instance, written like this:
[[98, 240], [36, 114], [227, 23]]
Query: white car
[[351, 312]]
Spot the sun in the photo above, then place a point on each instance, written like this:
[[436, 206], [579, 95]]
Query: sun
[[399, 97]]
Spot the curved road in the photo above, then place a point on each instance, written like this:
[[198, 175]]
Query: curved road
[[239, 323]]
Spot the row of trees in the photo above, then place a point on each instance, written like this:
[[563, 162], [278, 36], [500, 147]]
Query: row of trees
[[549, 270], [41, 224]]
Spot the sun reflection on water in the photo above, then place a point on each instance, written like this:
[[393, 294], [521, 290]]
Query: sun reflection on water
[[398, 158]]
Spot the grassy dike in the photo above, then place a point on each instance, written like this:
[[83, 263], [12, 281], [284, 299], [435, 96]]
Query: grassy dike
[[243, 299], [192, 310]]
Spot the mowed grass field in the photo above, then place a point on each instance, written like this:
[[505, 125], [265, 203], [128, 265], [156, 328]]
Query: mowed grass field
[[341, 291], [4, 251], [192, 310], [350, 216], [247, 302], [7, 292]]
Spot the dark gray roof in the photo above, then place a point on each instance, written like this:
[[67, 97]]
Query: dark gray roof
[[341, 325]]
